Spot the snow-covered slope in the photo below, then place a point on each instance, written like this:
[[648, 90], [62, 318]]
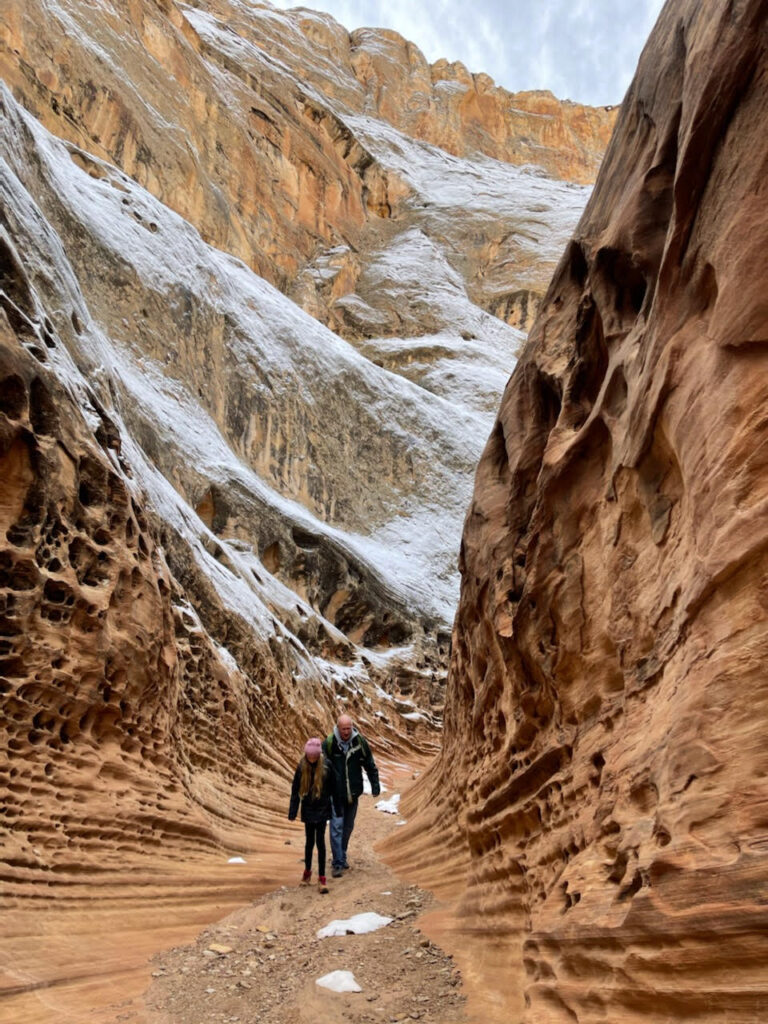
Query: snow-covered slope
[[224, 520], [363, 446]]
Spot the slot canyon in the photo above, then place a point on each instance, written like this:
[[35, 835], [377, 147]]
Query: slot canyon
[[337, 381]]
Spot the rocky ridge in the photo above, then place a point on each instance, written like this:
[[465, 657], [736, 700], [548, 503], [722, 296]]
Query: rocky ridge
[[265, 156], [602, 780]]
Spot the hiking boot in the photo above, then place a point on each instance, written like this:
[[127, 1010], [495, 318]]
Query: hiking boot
[[321, 886], [306, 878], [337, 872], [345, 867]]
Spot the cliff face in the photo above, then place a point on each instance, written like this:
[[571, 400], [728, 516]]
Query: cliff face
[[220, 521], [603, 782], [172, 624], [251, 124], [167, 614]]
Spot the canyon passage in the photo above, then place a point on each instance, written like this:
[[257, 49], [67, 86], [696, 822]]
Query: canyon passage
[[333, 380]]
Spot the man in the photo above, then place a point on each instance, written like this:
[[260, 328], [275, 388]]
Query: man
[[349, 754]]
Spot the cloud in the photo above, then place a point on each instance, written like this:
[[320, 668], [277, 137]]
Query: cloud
[[584, 50]]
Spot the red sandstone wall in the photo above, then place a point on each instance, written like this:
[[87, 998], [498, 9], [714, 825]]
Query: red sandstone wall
[[603, 788], [256, 159]]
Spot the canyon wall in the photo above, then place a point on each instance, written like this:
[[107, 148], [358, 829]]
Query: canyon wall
[[172, 622], [229, 509], [602, 795], [250, 123], [172, 626]]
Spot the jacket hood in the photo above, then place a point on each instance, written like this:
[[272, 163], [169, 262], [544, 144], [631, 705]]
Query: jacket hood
[[338, 737]]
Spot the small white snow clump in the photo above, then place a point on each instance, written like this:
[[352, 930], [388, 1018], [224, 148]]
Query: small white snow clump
[[360, 924], [339, 981], [389, 806]]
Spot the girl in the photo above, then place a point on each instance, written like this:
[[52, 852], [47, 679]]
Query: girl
[[313, 786]]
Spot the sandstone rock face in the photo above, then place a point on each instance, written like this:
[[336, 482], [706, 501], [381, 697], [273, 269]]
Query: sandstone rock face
[[262, 155], [220, 521], [157, 669], [236, 530], [603, 780], [115, 83], [113, 694], [171, 626]]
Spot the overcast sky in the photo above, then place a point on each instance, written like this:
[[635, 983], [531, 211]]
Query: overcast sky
[[584, 50]]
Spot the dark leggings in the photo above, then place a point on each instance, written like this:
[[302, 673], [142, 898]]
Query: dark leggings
[[314, 833]]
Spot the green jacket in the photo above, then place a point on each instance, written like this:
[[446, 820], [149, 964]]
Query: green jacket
[[348, 767]]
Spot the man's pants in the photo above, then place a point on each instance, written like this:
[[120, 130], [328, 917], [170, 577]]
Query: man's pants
[[341, 830]]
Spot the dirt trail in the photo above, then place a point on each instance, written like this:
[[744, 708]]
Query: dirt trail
[[266, 956]]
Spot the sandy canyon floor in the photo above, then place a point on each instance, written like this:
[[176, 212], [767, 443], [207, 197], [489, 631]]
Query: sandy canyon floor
[[274, 958], [257, 961]]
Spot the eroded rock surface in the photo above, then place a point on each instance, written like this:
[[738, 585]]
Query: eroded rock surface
[[247, 121], [605, 764], [220, 521], [171, 626], [167, 614]]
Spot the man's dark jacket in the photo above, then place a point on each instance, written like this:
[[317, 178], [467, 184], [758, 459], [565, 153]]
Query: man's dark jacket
[[348, 767]]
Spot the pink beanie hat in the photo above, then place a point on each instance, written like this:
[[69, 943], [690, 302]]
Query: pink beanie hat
[[313, 746]]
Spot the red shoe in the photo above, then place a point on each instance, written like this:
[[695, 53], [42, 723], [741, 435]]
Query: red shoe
[[321, 886], [306, 878]]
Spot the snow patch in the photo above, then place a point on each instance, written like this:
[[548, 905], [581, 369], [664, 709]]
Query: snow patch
[[367, 786], [360, 924], [389, 806], [339, 981]]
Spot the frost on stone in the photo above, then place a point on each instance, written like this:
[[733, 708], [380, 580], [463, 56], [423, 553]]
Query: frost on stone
[[339, 981], [360, 924], [389, 806]]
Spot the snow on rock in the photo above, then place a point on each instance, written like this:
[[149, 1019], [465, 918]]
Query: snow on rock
[[184, 442], [411, 533], [227, 592], [360, 924]]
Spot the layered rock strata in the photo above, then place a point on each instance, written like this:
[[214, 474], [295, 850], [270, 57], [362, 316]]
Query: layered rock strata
[[238, 117], [220, 522], [156, 671], [602, 787]]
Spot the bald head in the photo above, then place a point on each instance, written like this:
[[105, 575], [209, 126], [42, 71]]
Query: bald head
[[344, 723]]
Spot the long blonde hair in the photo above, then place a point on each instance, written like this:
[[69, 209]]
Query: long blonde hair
[[306, 774]]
